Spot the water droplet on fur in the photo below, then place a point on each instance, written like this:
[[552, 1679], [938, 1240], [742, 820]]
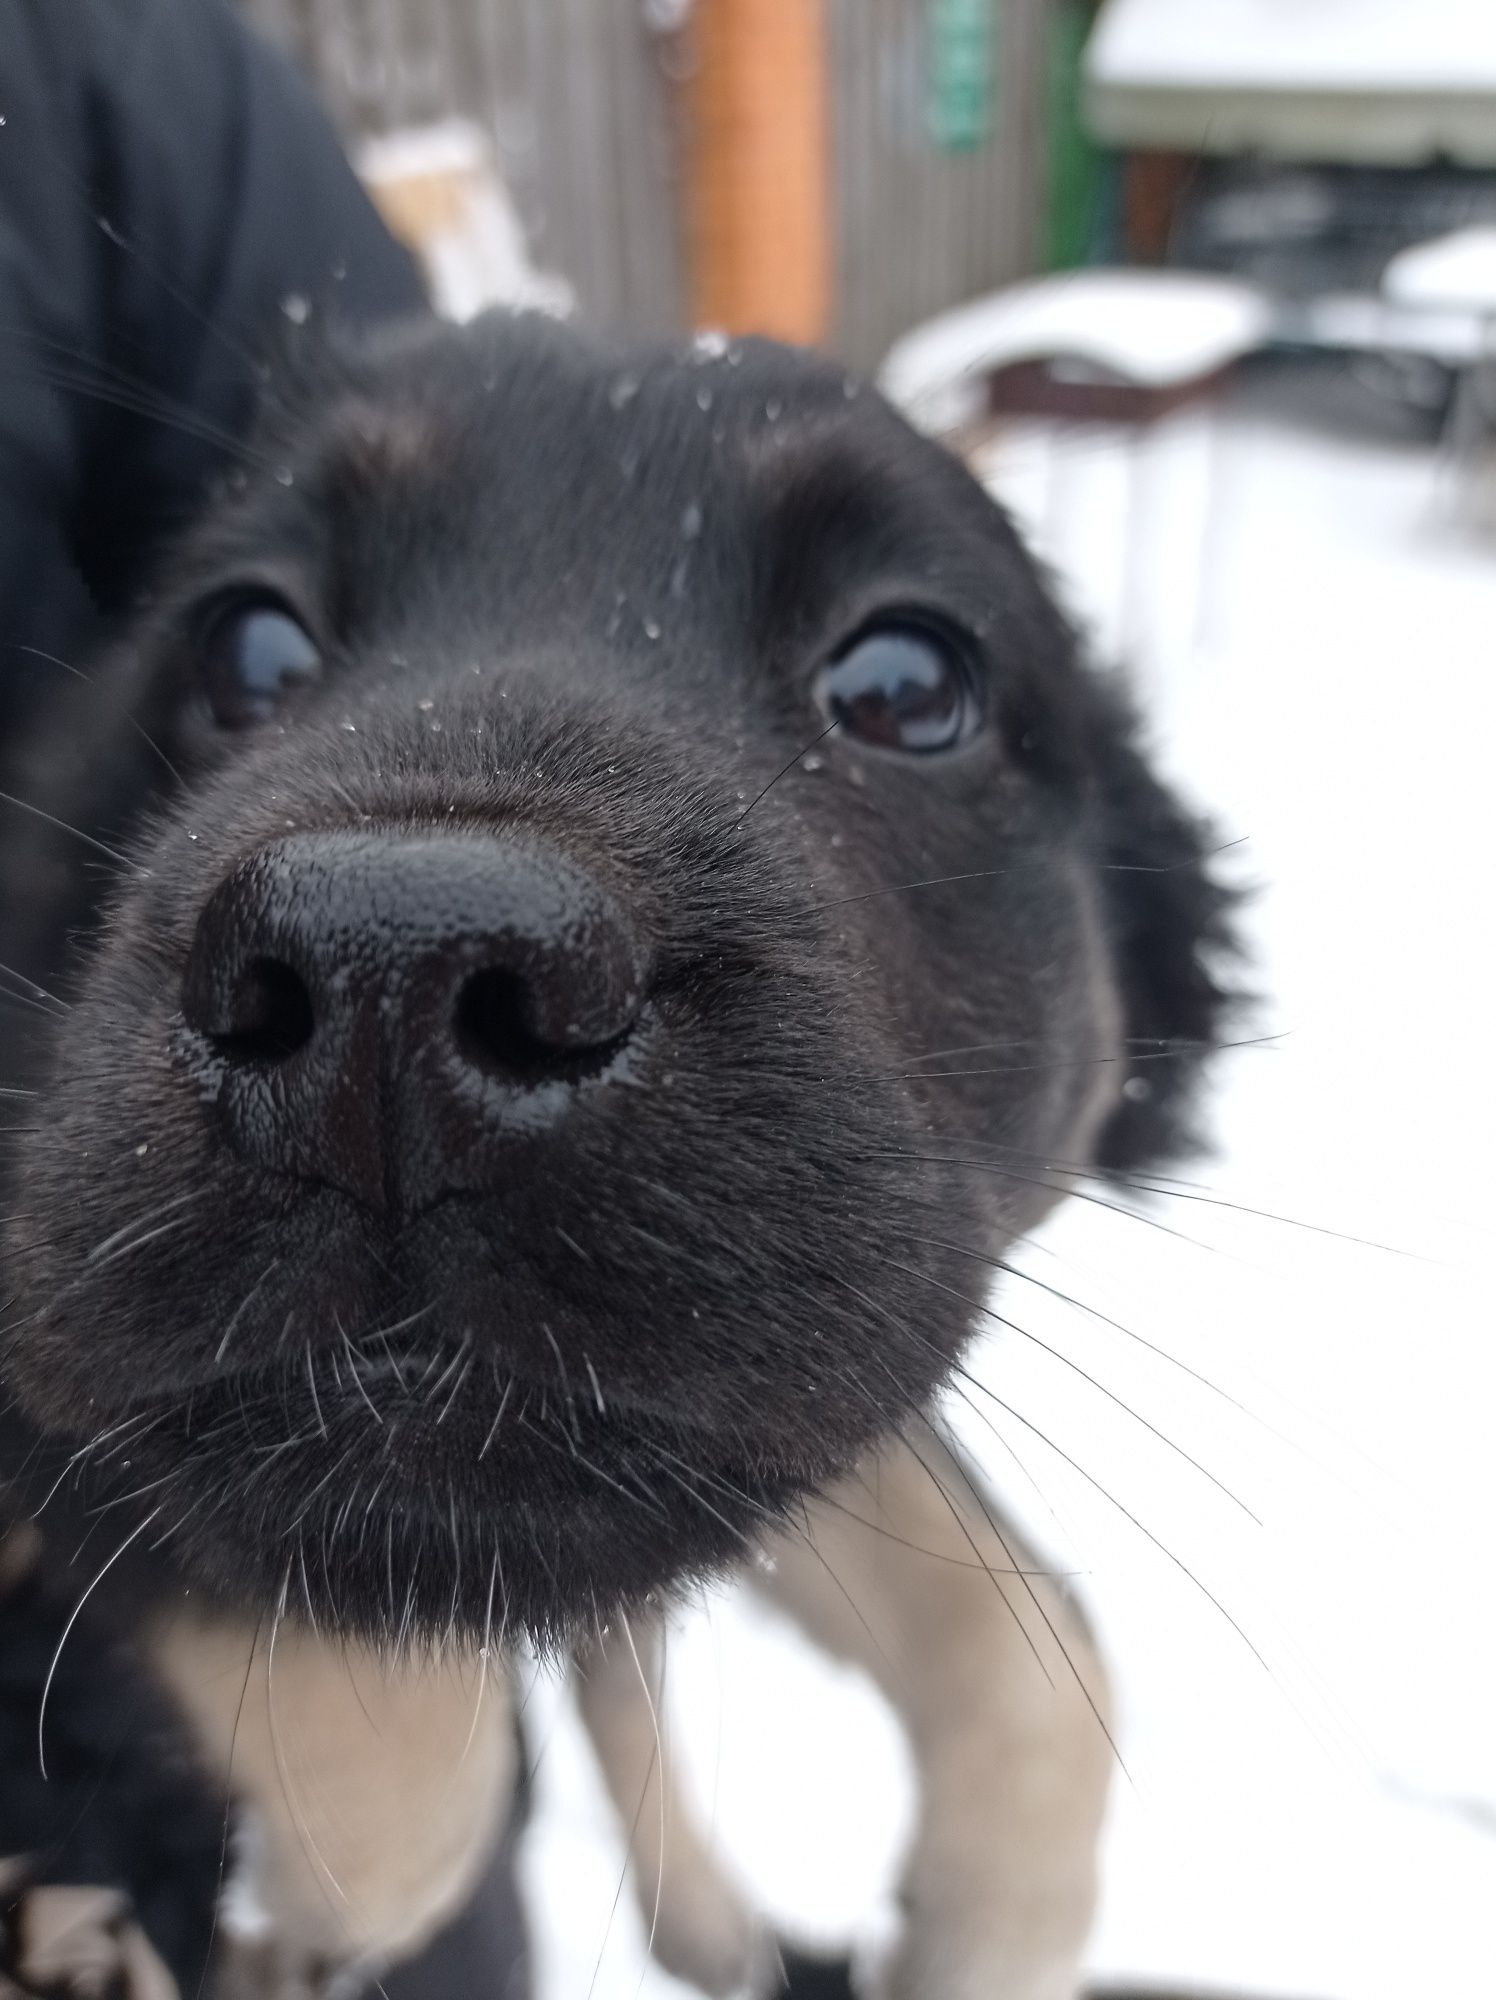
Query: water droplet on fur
[[284, 476], [704, 399], [426, 706], [851, 390], [690, 521], [142, 1150], [297, 307], [710, 345], [651, 630], [812, 764], [1138, 1088], [623, 391], [773, 409], [351, 727], [766, 1563], [836, 840]]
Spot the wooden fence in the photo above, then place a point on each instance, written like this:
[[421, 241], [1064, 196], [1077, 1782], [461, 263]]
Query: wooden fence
[[938, 181]]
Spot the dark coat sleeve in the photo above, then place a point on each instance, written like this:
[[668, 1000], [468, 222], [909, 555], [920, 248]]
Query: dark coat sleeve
[[169, 193]]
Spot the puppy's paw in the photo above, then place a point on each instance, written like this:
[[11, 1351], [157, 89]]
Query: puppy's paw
[[64, 1941], [943, 1958], [270, 1970], [711, 1941]]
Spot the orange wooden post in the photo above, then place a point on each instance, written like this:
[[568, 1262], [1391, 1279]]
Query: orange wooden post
[[759, 189]]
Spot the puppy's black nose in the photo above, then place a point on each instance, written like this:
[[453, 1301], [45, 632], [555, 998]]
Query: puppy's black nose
[[388, 1011]]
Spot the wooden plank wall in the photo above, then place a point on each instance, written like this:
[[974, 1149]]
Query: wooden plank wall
[[919, 227], [580, 101], [585, 103]]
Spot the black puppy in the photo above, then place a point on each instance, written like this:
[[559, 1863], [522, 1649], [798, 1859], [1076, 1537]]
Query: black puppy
[[618, 894]]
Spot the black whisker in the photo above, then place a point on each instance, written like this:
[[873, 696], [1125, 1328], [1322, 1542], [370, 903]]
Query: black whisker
[[77, 833], [784, 772], [105, 694], [990, 1312]]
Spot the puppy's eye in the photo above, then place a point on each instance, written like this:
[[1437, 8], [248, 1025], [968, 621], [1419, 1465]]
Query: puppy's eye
[[901, 686], [254, 655]]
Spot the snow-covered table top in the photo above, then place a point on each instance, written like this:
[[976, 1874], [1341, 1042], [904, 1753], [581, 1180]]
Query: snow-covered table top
[[1151, 328], [1355, 80], [1451, 273]]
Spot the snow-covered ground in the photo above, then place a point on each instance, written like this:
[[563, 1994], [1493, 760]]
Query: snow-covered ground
[[1315, 626]]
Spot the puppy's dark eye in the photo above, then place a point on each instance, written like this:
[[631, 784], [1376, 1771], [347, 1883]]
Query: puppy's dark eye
[[254, 655], [901, 686]]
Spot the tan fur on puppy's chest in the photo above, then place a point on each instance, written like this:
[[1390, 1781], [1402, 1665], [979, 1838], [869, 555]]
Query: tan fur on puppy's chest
[[371, 1791]]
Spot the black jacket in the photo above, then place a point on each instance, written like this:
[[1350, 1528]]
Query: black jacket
[[169, 190]]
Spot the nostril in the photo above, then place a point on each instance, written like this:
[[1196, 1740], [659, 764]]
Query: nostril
[[270, 1013], [491, 1028], [494, 1032]]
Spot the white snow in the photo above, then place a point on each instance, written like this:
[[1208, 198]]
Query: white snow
[[1331, 45], [1454, 272], [1308, 79]]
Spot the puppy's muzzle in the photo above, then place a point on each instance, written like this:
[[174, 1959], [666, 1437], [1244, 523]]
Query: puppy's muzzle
[[398, 1014]]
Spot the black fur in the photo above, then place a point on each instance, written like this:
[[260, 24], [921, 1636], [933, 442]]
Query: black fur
[[583, 595], [121, 1799]]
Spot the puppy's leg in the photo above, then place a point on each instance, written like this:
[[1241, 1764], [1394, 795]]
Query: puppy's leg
[[369, 1795], [906, 1572], [702, 1928]]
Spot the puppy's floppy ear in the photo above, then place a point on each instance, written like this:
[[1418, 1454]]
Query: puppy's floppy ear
[[1173, 937]]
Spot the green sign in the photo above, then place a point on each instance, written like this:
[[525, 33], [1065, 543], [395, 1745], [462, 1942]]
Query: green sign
[[962, 72]]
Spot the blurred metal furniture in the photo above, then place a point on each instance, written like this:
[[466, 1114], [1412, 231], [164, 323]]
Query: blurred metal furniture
[[1452, 280], [1362, 80], [1112, 350]]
